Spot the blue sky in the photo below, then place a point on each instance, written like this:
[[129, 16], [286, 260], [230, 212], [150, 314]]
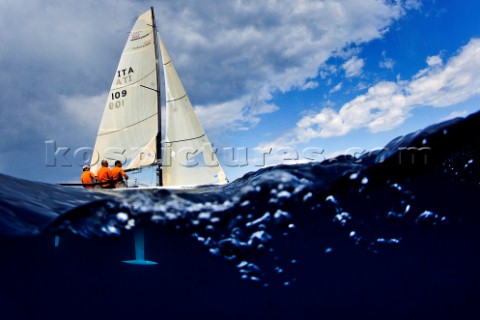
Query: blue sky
[[287, 76]]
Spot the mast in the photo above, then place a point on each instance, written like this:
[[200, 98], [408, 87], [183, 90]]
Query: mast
[[159, 105]]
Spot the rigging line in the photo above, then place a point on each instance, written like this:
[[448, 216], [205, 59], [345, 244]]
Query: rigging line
[[134, 124], [131, 84], [173, 100], [149, 88], [185, 139]]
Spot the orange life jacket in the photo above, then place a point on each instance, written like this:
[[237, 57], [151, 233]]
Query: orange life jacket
[[87, 178], [105, 175], [118, 173]]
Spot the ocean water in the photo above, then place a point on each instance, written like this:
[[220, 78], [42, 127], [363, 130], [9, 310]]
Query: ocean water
[[389, 234]]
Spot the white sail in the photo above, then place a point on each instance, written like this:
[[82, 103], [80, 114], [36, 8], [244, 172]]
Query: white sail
[[129, 126], [188, 156]]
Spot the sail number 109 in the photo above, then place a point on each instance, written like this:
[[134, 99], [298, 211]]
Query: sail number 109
[[116, 96]]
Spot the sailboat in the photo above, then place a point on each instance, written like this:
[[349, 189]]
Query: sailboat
[[130, 129]]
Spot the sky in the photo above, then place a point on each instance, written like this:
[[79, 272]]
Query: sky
[[276, 81]]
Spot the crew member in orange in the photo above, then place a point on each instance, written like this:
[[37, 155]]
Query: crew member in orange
[[87, 178], [119, 175], [105, 175]]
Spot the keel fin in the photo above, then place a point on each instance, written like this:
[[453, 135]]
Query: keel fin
[[140, 250]]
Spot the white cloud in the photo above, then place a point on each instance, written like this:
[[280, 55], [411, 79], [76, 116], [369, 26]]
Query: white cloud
[[387, 104], [310, 85], [386, 63], [413, 4], [455, 114], [445, 85], [353, 67], [434, 61], [338, 87], [214, 117]]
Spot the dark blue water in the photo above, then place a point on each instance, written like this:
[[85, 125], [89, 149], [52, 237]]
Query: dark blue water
[[389, 234]]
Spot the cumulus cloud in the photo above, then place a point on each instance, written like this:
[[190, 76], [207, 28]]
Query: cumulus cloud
[[336, 88], [212, 116], [386, 63], [455, 114], [413, 4], [353, 67], [310, 85], [387, 104], [444, 85], [434, 60]]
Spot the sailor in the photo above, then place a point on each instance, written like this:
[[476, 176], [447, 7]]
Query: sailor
[[105, 175], [119, 175], [87, 178]]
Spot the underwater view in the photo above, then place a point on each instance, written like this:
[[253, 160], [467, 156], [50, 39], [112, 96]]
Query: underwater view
[[391, 233]]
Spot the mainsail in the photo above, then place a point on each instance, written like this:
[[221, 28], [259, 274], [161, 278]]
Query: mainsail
[[130, 127]]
